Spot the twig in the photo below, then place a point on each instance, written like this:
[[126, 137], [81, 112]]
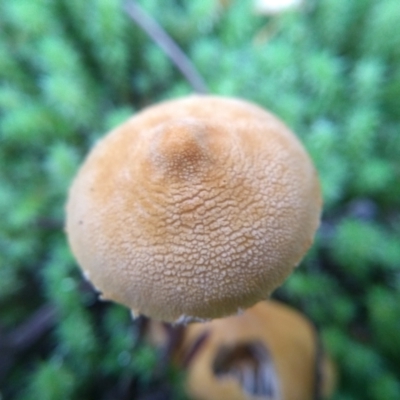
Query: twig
[[26, 334], [166, 43], [175, 334], [19, 340]]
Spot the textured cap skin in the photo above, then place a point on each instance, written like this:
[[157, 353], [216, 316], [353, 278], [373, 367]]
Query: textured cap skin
[[193, 208]]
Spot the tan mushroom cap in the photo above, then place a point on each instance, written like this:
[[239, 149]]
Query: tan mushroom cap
[[193, 208]]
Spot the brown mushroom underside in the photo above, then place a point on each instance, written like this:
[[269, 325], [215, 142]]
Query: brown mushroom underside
[[194, 207]]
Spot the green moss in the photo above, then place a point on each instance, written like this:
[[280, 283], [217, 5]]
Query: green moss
[[71, 70]]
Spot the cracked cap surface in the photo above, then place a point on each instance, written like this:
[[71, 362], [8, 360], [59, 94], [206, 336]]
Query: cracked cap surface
[[193, 208]]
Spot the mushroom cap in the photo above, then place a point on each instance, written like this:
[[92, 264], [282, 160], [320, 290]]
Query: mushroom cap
[[193, 208], [290, 370]]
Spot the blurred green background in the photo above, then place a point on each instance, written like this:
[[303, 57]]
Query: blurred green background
[[70, 70]]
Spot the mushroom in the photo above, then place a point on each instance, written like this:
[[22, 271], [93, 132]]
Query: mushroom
[[270, 352], [193, 209]]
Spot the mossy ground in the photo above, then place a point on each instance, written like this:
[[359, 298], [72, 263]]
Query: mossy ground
[[71, 69]]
